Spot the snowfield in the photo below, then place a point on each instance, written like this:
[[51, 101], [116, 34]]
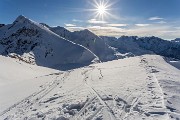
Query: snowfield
[[17, 80], [136, 88]]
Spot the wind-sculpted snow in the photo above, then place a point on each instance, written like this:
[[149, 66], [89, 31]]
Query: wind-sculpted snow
[[33, 43]]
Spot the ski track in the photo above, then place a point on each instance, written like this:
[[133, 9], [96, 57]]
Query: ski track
[[35, 97], [156, 89], [106, 108]]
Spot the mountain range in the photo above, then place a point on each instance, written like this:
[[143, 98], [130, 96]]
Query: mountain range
[[38, 43]]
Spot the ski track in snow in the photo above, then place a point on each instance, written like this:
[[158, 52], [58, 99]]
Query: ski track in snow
[[155, 89]]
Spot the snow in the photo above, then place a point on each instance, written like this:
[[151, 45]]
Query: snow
[[142, 87], [18, 79]]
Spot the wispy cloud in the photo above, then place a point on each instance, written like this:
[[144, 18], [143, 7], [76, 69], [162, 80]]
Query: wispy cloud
[[161, 22], [94, 21], [107, 31], [75, 28], [70, 25], [142, 25], [160, 30], [178, 28], [117, 25], [155, 18], [76, 20]]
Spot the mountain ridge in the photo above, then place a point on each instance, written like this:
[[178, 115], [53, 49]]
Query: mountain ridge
[[30, 40]]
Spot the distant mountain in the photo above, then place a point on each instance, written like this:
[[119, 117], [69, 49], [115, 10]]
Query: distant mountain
[[177, 40], [1, 25], [126, 45], [89, 40], [34, 43], [144, 45]]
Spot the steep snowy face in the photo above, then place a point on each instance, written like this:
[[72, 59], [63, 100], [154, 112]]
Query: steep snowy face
[[61, 31], [88, 40], [34, 43], [144, 45], [95, 44]]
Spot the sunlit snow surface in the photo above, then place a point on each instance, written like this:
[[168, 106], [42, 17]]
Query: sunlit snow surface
[[142, 87]]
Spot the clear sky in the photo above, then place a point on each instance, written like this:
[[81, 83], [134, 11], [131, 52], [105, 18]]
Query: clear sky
[[116, 17]]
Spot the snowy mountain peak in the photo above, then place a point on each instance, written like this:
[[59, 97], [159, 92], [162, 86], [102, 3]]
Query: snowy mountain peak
[[86, 32], [177, 40], [59, 28], [34, 43], [21, 19]]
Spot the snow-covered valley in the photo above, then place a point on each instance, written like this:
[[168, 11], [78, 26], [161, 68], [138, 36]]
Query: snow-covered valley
[[142, 87]]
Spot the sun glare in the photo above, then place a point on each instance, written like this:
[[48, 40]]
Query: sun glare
[[101, 9]]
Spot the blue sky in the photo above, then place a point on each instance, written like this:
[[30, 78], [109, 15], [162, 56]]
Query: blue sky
[[126, 17]]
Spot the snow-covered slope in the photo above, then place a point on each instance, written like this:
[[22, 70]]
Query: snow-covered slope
[[61, 31], [144, 45], [18, 79], [88, 40], [33, 43], [136, 88]]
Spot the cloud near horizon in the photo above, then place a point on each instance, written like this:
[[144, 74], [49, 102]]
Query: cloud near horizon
[[155, 18], [162, 31], [161, 22], [70, 25], [142, 25], [117, 25], [154, 26], [94, 21], [76, 20]]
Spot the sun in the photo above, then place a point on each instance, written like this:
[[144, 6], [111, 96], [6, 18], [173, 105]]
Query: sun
[[101, 9]]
